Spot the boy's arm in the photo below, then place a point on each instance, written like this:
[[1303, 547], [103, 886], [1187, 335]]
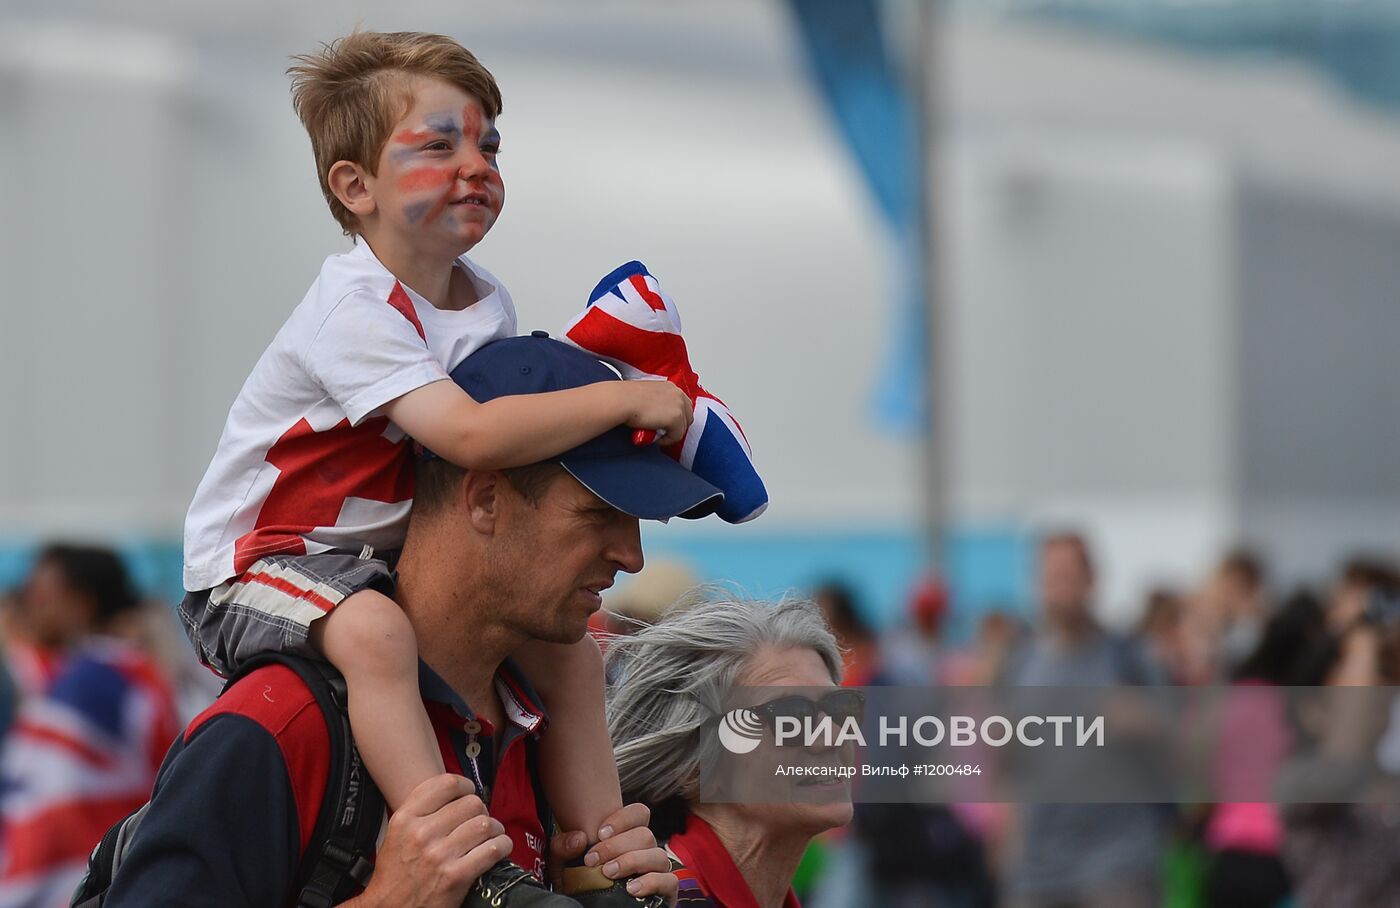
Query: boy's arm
[[525, 429]]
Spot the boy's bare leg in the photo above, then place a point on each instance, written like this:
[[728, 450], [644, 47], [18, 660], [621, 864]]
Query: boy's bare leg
[[369, 639], [576, 758]]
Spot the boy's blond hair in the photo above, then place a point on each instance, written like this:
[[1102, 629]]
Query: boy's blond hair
[[351, 93]]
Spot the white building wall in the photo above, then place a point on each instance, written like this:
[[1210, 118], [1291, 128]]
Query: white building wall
[[1172, 294], [1119, 220], [166, 218]]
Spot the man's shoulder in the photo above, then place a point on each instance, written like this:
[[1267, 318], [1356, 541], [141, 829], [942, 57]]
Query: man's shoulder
[[276, 698], [237, 801]]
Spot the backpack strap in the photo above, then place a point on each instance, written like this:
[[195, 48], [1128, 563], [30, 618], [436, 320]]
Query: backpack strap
[[339, 858], [104, 860]]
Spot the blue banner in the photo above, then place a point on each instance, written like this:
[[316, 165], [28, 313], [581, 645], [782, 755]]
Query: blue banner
[[873, 108]]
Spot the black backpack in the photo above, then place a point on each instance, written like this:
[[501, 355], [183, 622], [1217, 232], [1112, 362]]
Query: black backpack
[[347, 827]]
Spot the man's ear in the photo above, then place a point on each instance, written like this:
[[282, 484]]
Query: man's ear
[[481, 498], [350, 184]]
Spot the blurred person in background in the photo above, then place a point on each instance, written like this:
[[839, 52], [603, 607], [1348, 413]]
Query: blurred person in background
[[914, 653], [1081, 855], [1160, 633], [1198, 652], [153, 628], [1358, 599], [1363, 582], [88, 740], [843, 877], [907, 855], [1000, 632], [34, 627], [1347, 855], [9, 693], [860, 648], [1221, 621], [916, 855], [1245, 840], [1236, 598], [669, 688], [8, 700]]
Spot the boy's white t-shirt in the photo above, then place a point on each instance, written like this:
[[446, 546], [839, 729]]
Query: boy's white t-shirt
[[306, 463]]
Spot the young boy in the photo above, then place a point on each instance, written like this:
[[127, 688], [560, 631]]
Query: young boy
[[313, 471]]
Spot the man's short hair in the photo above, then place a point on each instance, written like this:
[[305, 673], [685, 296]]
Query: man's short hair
[[533, 480], [438, 481], [350, 93]]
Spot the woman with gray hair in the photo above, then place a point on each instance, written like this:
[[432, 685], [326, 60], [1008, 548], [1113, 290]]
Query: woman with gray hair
[[664, 707]]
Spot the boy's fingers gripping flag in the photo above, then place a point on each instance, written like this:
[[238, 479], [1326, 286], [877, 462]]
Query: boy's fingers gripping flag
[[633, 324]]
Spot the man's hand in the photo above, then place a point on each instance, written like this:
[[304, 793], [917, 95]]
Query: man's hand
[[439, 841], [628, 849]]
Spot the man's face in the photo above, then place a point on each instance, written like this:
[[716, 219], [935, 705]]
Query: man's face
[[554, 558], [1065, 582]]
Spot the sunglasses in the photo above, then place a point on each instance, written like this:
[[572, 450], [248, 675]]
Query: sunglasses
[[840, 705]]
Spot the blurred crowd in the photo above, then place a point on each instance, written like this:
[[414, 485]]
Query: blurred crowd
[[96, 682], [1230, 628], [94, 685]]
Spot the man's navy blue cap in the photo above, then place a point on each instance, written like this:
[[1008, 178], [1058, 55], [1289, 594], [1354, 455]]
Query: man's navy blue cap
[[640, 480]]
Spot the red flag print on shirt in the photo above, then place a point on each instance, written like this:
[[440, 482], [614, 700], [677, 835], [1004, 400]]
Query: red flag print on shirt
[[319, 472]]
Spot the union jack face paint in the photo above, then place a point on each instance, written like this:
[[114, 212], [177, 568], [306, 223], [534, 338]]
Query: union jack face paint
[[439, 181]]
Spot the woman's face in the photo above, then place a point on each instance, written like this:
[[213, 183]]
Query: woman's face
[[827, 802]]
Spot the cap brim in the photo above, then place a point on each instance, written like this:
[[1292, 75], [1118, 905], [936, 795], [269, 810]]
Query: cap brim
[[645, 484]]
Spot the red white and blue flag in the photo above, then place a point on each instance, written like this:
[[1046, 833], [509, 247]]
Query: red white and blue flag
[[634, 324], [80, 756]]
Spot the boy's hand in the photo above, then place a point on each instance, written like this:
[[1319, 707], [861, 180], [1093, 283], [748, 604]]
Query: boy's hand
[[630, 850], [439, 841], [658, 406]]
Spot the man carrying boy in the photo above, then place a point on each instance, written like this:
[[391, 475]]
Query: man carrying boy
[[493, 560], [313, 471]]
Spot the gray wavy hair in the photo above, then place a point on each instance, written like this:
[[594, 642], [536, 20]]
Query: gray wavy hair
[[670, 678]]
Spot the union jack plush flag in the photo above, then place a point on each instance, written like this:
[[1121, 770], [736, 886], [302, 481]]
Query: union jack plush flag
[[633, 324], [80, 756]]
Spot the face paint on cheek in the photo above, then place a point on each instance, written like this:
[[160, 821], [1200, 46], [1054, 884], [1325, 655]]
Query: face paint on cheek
[[414, 213], [425, 178], [428, 210], [438, 180], [437, 209]]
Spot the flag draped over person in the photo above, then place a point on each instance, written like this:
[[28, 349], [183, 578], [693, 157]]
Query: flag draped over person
[[82, 755]]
